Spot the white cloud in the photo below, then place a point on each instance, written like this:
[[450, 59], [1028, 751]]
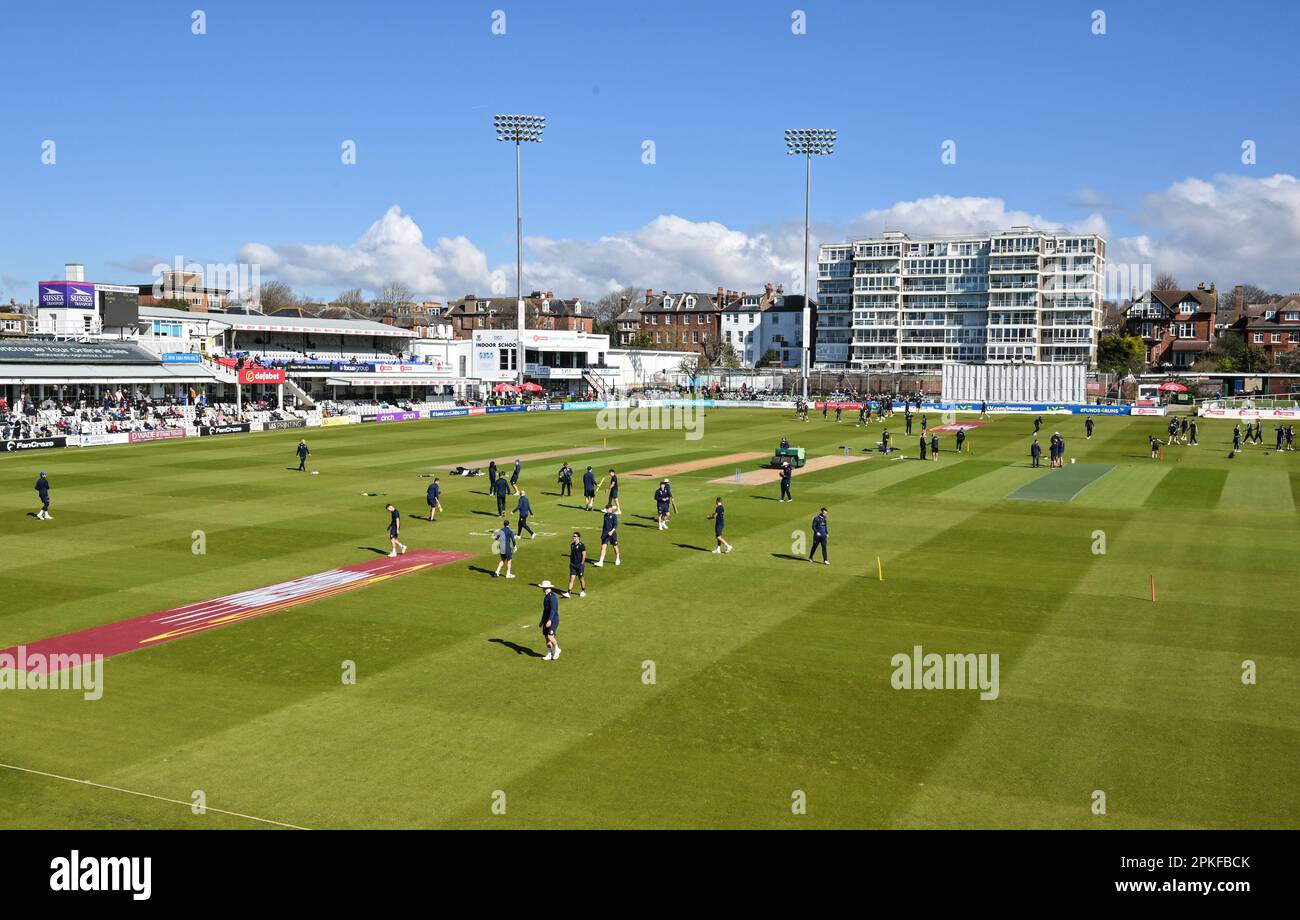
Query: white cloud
[[1230, 229], [946, 215], [393, 249]]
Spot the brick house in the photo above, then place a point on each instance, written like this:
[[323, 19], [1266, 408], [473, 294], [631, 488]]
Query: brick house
[[1178, 327], [542, 310], [683, 321], [1274, 327]]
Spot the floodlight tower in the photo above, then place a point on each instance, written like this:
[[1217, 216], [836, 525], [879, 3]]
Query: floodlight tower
[[519, 129], [809, 142]]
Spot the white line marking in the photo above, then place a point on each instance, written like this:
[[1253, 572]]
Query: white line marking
[[86, 782]]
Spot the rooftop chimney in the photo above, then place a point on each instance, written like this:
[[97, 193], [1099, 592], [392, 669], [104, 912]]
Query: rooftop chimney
[[649, 294], [74, 271], [1238, 302]]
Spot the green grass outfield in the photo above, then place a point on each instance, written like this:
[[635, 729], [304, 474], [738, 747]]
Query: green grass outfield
[[771, 675]]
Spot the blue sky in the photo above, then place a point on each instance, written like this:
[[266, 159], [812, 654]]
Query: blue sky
[[226, 145]]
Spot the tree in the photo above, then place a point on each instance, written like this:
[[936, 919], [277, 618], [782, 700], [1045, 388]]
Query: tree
[[605, 311], [174, 303], [641, 340], [728, 357], [1166, 282], [1289, 362], [276, 295], [351, 299], [1121, 354], [771, 358], [391, 297]]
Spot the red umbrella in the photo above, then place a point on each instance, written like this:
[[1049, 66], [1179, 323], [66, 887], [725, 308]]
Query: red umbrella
[[504, 388], [530, 387], [1170, 387]]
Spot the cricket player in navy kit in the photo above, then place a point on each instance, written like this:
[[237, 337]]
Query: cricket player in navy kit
[[394, 528], [589, 488], [613, 492], [566, 479], [719, 522], [506, 543], [501, 489], [433, 495], [492, 476], [550, 620], [609, 536], [302, 456], [663, 496], [43, 492], [577, 565], [820, 533], [524, 509], [514, 477], [786, 473]]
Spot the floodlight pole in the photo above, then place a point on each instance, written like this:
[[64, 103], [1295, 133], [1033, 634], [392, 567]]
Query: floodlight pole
[[807, 314], [519, 267]]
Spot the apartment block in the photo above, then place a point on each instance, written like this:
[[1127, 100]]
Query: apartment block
[[902, 304]]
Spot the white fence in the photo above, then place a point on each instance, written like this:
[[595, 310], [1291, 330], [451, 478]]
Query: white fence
[[1015, 383]]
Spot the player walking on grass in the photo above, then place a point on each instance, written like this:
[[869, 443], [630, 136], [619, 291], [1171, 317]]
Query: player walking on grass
[[1035, 454], [719, 521], [609, 536], [934, 447], [1191, 431], [907, 420], [1155, 446], [433, 495], [923, 445], [500, 488], [492, 476], [1087, 426], [786, 474], [566, 479], [394, 529], [303, 452], [577, 565], [961, 438], [514, 478], [820, 534], [505, 547], [550, 620], [589, 488], [43, 492], [524, 509], [1236, 438], [613, 493], [663, 496]]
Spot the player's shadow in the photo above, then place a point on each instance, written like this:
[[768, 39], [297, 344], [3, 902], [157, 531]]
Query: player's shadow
[[375, 549], [787, 556], [294, 469], [417, 517], [480, 570], [763, 498], [645, 517], [634, 524], [574, 507], [488, 513], [517, 648], [700, 549]]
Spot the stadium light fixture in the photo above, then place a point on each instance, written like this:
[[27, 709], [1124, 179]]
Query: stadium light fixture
[[519, 129], [808, 142]]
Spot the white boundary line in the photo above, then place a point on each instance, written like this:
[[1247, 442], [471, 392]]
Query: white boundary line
[[86, 782]]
